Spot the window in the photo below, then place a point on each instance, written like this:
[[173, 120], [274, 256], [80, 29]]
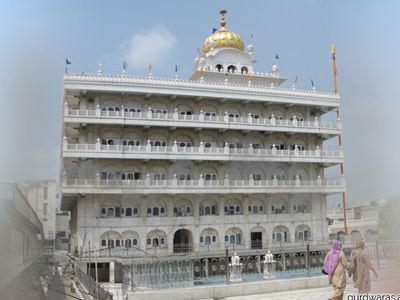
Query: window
[[209, 114], [207, 210], [278, 209], [300, 147], [156, 211], [244, 70], [219, 67], [180, 211], [104, 243], [110, 108], [158, 176], [255, 116], [45, 209], [256, 177], [236, 145], [185, 112], [232, 69], [184, 177], [232, 209], [278, 146], [131, 142], [132, 109], [128, 212], [184, 144], [276, 117], [110, 212], [233, 115], [45, 193], [201, 239], [158, 143], [300, 119], [160, 111], [279, 177], [131, 176], [110, 175], [210, 176]]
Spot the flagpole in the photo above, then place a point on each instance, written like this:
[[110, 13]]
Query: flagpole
[[333, 51]]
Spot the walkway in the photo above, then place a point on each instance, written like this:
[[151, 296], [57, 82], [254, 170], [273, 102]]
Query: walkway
[[61, 290], [388, 283]]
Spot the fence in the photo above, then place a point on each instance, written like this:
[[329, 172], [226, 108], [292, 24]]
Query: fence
[[166, 274], [90, 285]]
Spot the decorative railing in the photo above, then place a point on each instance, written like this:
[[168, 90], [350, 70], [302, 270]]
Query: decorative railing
[[226, 153], [223, 122], [208, 186]]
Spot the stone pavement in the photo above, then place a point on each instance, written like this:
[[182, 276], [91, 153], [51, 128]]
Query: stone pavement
[[388, 282]]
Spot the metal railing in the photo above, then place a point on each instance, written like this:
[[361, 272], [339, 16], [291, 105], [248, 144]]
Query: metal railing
[[90, 285]]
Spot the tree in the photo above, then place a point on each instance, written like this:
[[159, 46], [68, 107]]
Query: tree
[[389, 219]]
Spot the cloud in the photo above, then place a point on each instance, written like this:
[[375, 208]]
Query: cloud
[[152, 47]]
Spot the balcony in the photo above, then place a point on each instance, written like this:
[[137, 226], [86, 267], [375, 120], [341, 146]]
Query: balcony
[[148, 152], [222, 123], [201, 186]]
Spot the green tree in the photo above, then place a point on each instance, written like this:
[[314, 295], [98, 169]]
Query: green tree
[[389, 219]]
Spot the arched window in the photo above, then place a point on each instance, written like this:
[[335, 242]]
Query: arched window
[[162, 241], [232, 239], [219, 67], [103, 211], [148, 241], [261, 208], [244, 70], [128, 212], [104, 243], [110, 176], [149, 210], [110, 212], [231, 69], [279, 237], [135, 242], [117, 243], [188, 209], [255, 209], [127, 243], [214, 239], [155, 211], [201, 239], [208, 240], [162, 210], [207, 210], [135, 211], [226, 238]]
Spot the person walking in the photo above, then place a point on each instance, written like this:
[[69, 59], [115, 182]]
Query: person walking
[[59, 272], [359, 268], [335, 265]]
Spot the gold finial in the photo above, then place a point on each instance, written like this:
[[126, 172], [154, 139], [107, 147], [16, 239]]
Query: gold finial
[[333, 50], [223, 12]]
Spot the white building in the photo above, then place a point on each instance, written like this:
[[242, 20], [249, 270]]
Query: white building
[[42, 196], [362, 222], [171, 165]]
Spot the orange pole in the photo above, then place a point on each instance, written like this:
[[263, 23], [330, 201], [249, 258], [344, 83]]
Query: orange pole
[[340, 139]]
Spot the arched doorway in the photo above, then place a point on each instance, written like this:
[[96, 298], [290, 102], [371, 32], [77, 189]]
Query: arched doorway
[[183, 241]]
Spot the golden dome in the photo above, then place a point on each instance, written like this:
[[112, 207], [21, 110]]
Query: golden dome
[[224, 38]]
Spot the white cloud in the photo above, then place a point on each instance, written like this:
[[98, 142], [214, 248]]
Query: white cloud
[[152, 47]]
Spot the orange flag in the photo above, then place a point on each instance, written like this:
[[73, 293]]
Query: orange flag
[[100, 64], [334, 66], [150, 66], [295, 80], [201, 70], [250, 77]]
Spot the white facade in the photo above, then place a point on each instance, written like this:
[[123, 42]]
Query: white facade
[[62, 231], [362, 222], [196, 165], [42, 196]]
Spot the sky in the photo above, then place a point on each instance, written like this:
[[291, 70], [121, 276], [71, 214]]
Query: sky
[[37, 37]]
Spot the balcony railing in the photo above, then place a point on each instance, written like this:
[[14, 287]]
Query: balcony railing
[[246, 154], [150, 118], [175, 186]]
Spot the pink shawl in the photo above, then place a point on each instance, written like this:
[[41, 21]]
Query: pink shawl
[[333, 259]]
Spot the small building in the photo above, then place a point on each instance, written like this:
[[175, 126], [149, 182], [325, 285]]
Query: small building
[[362, 222]]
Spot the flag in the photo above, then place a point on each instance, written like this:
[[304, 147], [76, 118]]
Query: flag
[[312, 83], [250, 77], [67, 61], [277, 57], [100, 64], [150, 66], [125, 65], [201, 70], [214, 30], [295, 80], [336, 85], [251, 35], [226, 74], [176, 68]]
